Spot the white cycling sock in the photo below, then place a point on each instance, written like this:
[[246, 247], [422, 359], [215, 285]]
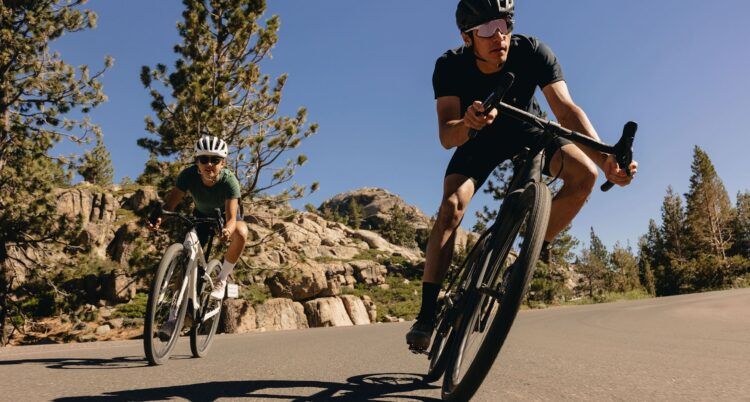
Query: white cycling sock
[[226, 269]]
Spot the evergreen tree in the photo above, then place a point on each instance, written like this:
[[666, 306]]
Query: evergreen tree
[[355, 214], [599, 250], [649, 256], [96, 165], [593, 273], [709, 212], [673, 228], [398, 230], [625, 267], [38, 90], [742, 226], [217, 88]]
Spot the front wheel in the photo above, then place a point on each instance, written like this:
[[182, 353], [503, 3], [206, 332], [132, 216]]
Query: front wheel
[[167, 302], [495, 303], [206, 319]]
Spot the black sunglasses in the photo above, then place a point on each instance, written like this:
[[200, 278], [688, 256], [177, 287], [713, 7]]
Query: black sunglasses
[[213, 159]]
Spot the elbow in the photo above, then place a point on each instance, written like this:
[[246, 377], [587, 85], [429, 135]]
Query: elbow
[[445, 141]]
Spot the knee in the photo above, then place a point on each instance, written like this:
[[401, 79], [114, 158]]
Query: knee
[[240, 232], [451, 212], [583, 183]]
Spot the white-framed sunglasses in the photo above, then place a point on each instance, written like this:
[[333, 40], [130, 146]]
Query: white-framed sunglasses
[[488, 29]]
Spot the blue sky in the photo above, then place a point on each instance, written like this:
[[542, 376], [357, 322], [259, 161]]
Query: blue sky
[[363, 69]]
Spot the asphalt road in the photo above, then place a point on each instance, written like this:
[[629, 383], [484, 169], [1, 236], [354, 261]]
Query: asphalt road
[[693, 347]]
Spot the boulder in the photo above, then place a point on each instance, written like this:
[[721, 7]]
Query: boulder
[[278, 314], [237, 317], [356, 309], [103, 330], [377, 242], [327, 312], [95, 210], [301, 282], [116, 323], [372, 309], [122, 245], [118, 287], [142, 198], [368, 272]]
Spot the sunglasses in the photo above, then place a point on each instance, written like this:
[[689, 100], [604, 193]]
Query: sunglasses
[[215, 160], [488, 29]]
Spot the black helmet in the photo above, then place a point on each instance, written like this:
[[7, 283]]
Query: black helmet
[[471, 13]]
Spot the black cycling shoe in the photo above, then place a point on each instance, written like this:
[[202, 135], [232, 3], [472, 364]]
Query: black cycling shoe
[[420, 334]]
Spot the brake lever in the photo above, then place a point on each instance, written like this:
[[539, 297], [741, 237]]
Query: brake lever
[[623, 151]]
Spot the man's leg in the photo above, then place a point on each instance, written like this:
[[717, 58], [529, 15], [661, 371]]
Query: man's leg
[[238, 240], [579, 175], [457, 193]]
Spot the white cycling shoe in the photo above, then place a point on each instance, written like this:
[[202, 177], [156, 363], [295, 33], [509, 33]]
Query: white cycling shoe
[[219, 289]]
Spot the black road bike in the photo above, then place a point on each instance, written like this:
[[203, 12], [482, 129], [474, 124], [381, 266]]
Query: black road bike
[[182, 286], [482, 296]]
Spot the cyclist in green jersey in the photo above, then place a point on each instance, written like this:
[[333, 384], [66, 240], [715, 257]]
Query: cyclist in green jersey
[[462, 78], [212, 186]]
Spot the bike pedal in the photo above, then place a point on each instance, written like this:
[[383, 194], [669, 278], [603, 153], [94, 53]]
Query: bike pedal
[[418, 351]]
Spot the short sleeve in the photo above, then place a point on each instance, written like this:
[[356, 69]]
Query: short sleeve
[[547, 66], [233, 191], [444, 80], [183, 180]]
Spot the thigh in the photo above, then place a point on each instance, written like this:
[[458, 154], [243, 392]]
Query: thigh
[[458, 189], [479, 157], [569, 162]]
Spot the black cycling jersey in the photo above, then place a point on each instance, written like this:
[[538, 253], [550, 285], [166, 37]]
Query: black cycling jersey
[[456, 74], [530, 60]]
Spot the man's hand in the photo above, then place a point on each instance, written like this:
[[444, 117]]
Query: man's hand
[[225, 233], [475, 117], [153, 225], [616, 175]]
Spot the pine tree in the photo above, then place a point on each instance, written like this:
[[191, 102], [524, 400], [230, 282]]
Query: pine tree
[[650, 255], [355, 214], [38, 90], [625, 267], [96, 165], [742, 226], [217, 88], [594, 266], [398, 230], [673, 227], [709, 212]]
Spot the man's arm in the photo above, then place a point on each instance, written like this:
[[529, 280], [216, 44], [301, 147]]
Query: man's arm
[[572, 117], [231, 207], [173, 198], [454, 130]]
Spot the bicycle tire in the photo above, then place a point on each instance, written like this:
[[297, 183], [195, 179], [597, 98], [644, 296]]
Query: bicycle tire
[[172, 263], [537, 199], [202, 333], [447, 318]]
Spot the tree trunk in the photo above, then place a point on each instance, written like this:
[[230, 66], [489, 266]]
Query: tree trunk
[[4, 294]]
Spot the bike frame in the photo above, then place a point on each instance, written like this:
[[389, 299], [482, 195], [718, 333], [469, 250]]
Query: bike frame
[[196, 259]]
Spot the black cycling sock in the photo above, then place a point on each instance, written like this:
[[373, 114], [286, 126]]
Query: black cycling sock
[[544, 255], [430, 292]]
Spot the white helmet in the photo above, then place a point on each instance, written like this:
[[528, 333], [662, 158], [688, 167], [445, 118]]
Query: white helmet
[[212, 146]]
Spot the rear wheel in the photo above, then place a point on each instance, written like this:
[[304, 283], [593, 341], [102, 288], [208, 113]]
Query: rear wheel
[[206, 319], [482, 333], [167, 302]]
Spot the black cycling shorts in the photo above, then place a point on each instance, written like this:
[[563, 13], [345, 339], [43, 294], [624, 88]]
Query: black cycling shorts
[[478, 157], [206, 229]]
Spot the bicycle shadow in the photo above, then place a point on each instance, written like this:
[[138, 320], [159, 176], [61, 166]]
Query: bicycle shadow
[[367, 387], [75, 363]]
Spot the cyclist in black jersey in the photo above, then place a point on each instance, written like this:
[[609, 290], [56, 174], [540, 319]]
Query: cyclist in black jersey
[[464, 77]]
